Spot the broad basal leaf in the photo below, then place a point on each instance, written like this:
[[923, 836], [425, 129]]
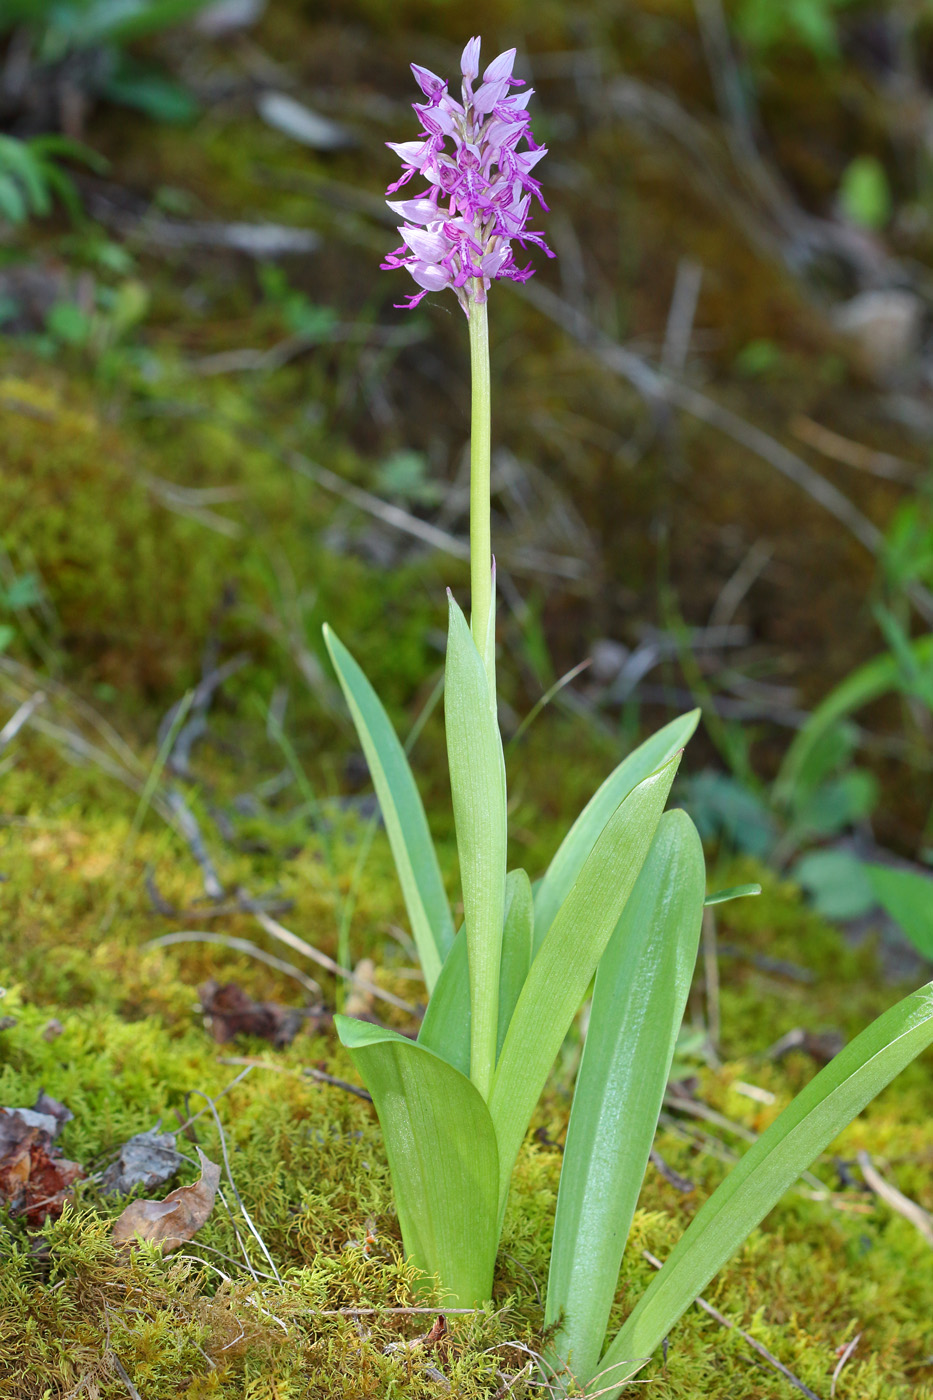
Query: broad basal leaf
[[638, 1005], [552, 890], [566, 961], [442, 1154]]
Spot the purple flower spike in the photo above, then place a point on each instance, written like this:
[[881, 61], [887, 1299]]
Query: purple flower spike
[[458, 232]]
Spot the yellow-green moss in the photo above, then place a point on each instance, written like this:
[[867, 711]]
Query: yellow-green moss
[[310, 1168]]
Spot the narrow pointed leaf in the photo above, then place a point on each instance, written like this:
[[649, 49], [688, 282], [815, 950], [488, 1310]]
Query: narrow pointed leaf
[[566, 961], [517, 941], [477, 784], [878, 676], [641, 990], [733, 892], [446, 1025], [806, 1127], [403, 813], [442, 1155], [553, 889]]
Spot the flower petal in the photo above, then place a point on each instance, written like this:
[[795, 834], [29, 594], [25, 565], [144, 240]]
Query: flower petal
[[469, 61], [414, 211], [429, 276], [500, 67], [410, 152], [430, 84], [486, 96], [429, 247]]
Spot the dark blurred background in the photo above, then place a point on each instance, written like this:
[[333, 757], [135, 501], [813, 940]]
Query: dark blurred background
[[712, 412]]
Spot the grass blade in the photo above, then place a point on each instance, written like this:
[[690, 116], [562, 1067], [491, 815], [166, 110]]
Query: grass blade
[[863, 685], [403, 813], [442, 1155], [806, 1127], [477, 784], [638, 1005], [566, 961], [571, 856]]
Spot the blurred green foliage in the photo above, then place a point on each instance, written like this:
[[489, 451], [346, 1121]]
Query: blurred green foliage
[[864, 193], [31, 177], [60, 26], [763, 24]]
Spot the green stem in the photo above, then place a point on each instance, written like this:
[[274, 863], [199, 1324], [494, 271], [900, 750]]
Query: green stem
[[480, 541]]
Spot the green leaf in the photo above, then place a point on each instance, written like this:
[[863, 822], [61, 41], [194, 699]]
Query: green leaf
[[17, 159], [403, 813], [12, 204], [641, 990], [122, 21], [442, 1155], [155, 96], [576, 846], [733, 892], [860, 687], [446, 1025], [806, 1127], [906, 895], [68, 323], [836, 882], [477, 784], [445, 1028], [566, 961], [864, 192], [517, 947]]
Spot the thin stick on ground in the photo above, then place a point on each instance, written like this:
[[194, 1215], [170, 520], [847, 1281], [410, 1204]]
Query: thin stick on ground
[[851, 453], [903, 1205], [308, 1070], [847, 1352], [762, 1351], [19, 718], [285, 935], [239, 945], [239, 1200], [121, 1372]]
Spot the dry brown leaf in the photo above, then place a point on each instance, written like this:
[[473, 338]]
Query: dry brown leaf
[[34, 1180], [230, 1012], [175, 1220]]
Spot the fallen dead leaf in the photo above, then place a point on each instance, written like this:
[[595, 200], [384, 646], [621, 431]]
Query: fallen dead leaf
[[174, 1221], [34, 1181], [230, 1012]]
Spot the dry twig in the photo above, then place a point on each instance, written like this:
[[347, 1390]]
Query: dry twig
[[903, 1205], [752, 1341]]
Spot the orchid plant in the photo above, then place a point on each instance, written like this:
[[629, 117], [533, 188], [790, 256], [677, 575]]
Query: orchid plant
[[621, 901]]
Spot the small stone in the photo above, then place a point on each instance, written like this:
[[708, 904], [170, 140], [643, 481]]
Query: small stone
[[148, 1160], [884, 328], [225, 17], [292, 118]]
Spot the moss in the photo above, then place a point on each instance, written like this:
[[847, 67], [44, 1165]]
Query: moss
[[308, 1161]]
